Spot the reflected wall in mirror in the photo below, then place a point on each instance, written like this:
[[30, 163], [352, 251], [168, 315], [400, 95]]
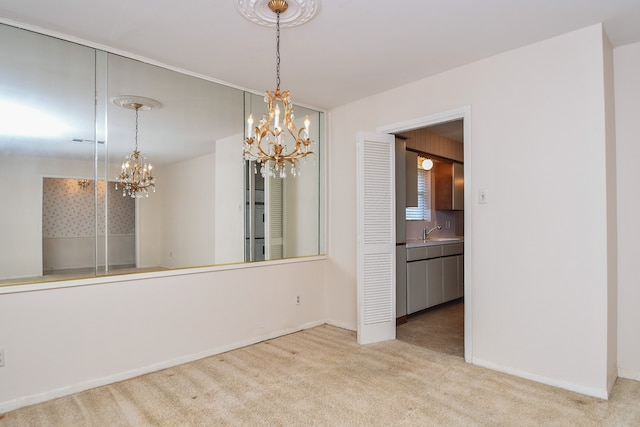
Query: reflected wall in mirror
[[284, 213], [47, 109], [60, 121], [192, 141], [69, 222]]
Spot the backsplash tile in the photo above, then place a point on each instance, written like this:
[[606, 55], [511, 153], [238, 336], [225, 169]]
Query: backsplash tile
[[455, 219]]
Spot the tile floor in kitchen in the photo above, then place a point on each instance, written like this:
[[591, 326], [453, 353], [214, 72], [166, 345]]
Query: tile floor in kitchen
[[439, 328]]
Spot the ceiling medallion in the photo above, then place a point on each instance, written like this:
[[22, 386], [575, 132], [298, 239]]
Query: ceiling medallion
[[297, 13], [130, 102]]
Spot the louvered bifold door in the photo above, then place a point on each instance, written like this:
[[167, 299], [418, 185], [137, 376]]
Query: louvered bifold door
[[376, 237], [274, 219]]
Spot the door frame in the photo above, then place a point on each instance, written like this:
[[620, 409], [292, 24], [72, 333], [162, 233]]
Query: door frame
[[463, 113]]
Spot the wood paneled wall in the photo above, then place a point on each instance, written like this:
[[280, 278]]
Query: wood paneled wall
[[430, 143]]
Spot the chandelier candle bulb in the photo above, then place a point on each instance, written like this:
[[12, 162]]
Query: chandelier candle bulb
[[277, 113], [250, 125]]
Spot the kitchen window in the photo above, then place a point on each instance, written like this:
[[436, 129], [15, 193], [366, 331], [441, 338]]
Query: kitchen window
[[423, 211]]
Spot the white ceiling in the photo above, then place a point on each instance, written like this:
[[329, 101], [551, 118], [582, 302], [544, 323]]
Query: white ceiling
[[351, 49]]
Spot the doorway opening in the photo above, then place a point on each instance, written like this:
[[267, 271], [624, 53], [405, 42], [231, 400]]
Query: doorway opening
[[77, 240], [434, 314], [440, 319]]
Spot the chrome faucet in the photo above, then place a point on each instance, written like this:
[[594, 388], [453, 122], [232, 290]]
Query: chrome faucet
[[426, 233]]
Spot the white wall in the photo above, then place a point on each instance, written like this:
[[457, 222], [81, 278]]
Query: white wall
[[539, 248], [59, 341], [21, 225], [73, 232], [195, 217], [301, 211], [627, 104], [612, 217], [188, 212], [228, 199], [61, 253], [151, 223]]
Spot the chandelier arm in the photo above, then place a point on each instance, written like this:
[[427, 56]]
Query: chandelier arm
[[295, 138], [261, 132], [303, 141], [300, 156], [262, 153], [300, 137]]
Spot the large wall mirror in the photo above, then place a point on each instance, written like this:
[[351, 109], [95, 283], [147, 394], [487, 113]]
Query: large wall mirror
[[64, 133]]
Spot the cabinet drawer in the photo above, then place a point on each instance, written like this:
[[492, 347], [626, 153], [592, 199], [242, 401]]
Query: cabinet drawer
[[424, 252], [453, 249]]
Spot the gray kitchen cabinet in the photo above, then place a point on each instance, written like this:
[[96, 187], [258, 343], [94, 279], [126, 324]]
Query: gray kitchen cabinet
[[416, 286], [401, 231], [434, 282], [401, 281], [434, 275], [401, 191], [452, 258], [450, 277], [460, 275]]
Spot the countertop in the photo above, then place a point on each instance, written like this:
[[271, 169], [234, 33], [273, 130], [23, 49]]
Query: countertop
[[433, 241]]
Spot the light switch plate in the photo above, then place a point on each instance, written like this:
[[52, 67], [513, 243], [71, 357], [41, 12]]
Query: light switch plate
[[483, 196]]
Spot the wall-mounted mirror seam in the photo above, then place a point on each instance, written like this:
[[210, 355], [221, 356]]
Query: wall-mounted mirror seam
[[63, 139]]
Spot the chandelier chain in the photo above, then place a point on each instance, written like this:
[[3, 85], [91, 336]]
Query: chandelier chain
[[278, 49], [137, 109]]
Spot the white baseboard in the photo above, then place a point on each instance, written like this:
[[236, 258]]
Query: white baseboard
[[341, 325], [578, 388], [629, 374], [98, 382], [611, 381]]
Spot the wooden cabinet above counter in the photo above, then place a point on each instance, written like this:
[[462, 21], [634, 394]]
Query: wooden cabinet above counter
[[449, 186]]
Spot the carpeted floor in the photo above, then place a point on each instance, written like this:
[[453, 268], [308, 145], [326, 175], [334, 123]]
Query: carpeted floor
[[322, 377]]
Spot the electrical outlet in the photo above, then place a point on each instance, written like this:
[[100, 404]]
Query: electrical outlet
[[1, 357], [298, 300]]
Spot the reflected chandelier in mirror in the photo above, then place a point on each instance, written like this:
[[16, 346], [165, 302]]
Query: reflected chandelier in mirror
[[135, 178]]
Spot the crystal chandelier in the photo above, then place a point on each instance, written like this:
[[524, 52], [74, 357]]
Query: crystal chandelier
[[265, 143], [83, 183], [135, 176]]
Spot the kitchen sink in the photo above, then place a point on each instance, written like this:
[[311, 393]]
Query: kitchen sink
[[444, 239]]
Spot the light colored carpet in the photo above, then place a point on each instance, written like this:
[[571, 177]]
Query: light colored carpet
[[322, 377]]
